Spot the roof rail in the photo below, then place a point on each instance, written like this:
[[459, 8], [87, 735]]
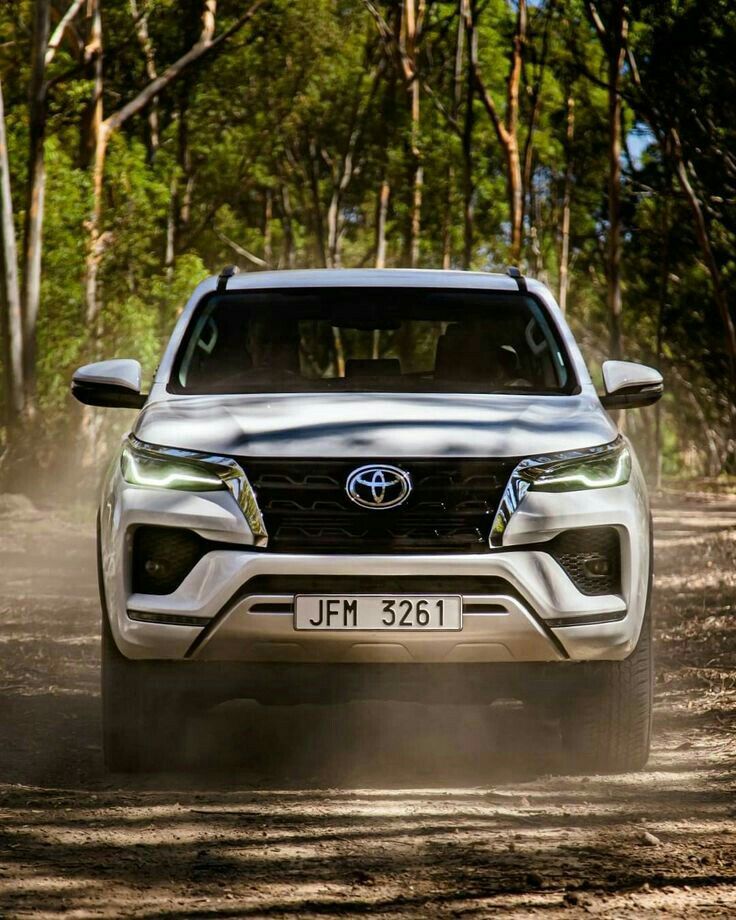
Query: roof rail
[[513, 272], [224, 276]]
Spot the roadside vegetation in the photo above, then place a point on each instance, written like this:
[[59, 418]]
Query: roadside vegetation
[[146, 143]]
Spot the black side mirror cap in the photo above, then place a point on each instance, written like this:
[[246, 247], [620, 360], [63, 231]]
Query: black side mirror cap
[[633, 397], [108, 395]]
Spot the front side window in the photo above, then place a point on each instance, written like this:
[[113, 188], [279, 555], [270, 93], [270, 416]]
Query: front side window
[[371, 339]]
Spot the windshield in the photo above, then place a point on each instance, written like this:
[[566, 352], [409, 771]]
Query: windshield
[[371, 339]]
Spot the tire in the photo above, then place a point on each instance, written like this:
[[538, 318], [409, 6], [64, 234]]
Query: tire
[[607, 721], [143, 712], [143, 706]]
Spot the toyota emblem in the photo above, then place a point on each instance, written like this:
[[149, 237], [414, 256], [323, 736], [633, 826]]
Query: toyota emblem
[[378, 487]]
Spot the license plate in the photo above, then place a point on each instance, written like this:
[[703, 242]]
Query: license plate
[[377, 612]]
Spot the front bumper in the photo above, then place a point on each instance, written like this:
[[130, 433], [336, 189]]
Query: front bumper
[[538, 614]]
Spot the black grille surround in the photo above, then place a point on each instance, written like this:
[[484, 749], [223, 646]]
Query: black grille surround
[[306, 507]]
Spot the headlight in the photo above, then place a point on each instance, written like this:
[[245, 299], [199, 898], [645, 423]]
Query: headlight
[[610, 467], [575, 470], [191, 471], [144, 467]]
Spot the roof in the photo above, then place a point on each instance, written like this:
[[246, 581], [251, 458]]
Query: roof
[[372, 277]]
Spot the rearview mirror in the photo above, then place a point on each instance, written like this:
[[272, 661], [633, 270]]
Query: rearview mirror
[[109, 383], [629, 385]]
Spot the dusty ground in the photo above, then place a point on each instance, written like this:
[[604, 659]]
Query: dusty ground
[[396, 811]]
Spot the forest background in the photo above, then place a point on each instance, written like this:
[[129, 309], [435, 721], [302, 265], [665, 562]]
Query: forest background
[[146, 143]]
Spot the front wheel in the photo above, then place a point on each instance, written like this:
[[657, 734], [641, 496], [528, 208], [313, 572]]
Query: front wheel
[[606, 725], [143, 716]]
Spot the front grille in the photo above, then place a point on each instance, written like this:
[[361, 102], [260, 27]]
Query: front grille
[[591, 557], [450, 509]]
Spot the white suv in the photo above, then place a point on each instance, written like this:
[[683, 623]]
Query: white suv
[[374, 484]]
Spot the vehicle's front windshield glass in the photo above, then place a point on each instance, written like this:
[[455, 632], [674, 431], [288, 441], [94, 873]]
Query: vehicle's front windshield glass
[[371, 339]]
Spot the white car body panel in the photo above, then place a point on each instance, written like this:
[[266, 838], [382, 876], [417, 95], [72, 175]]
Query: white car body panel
[[122, 372], [376, 425], [619, 375]]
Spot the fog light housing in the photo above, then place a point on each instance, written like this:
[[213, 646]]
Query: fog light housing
[[163, 557], [590, 557], [596, 566]]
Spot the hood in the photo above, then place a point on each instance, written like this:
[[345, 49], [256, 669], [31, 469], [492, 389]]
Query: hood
[[376, 426]]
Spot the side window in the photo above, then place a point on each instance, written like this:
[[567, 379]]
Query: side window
[[543, 349], [201, 345]]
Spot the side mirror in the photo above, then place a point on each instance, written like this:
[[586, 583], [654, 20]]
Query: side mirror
[[629, 385], [109, 383]]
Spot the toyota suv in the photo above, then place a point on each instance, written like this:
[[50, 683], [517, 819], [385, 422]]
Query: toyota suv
[[374, 484]]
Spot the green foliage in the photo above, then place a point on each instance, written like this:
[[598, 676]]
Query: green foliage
[[298, 120]]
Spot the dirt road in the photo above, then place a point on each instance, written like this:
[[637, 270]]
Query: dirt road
[[388, 810]]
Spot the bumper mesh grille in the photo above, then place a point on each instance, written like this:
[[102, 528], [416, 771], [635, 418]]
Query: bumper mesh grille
[[450, 509], [163, 557], [591, 557]]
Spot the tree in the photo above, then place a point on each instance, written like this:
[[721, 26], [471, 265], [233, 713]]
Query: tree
[[612, 32], [506, 126], [12, 325], [104, 128], [452, 133], [693, 121]]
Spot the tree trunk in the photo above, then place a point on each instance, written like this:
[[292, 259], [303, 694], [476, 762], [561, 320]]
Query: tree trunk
[[534, 93], [384, 195], [465, 11], [663, 295], [171, 227], [99, 140], [184, 155], [413, 14], [12, 326], [288, 223], [566, 201], [513, 157], [507, 128], [268, 227], [447, 219], [613, 37], [468, 190], [36, 189], [516, 201], [339, 351], [416, 213], [333, 257], [615, 63], [144, 39], [318, 219], [535, 222]]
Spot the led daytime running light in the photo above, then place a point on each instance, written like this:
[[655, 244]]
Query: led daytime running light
[[165, 474], [593, 473]]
